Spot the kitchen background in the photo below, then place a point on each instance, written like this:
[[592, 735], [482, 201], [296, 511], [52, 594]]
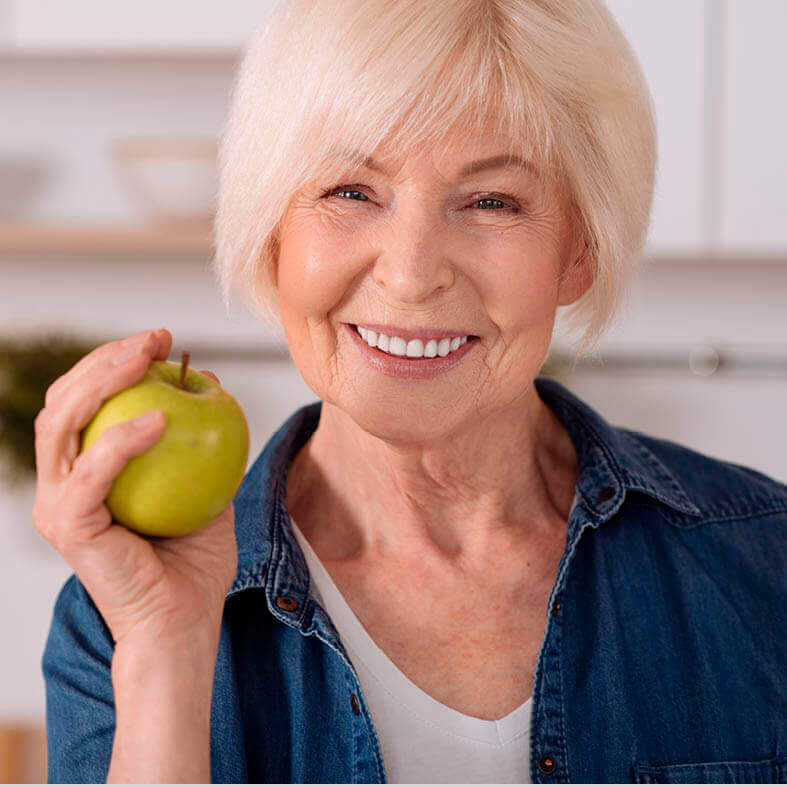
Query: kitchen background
[[111, 115]]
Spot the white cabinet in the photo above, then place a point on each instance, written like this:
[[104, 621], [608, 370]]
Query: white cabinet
[[668, 38], [755, 153], [722, 122], [97, 25]]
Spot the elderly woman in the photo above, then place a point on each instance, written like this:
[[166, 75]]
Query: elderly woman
[[448, 569]]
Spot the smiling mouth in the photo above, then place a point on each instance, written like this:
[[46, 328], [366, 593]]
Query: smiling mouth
[[413, 349], [469, 336]]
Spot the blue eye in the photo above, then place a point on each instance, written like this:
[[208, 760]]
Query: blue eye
[[337, 190], [488, 200], [511, 205], [496, 203]]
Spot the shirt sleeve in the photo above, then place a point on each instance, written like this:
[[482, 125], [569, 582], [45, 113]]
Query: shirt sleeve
[[80, 702]]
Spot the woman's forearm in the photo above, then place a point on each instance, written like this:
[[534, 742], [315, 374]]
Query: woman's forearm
[[163, 695]]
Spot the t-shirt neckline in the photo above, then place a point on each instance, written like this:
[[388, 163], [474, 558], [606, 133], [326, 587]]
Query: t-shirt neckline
[[497, 731]]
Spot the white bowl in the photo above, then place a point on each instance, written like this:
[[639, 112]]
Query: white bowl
[[173, 181]]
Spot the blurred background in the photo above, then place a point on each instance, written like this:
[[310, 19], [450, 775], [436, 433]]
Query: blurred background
[[107, 187]]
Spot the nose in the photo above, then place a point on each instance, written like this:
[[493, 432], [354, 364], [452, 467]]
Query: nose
[[413, 262]]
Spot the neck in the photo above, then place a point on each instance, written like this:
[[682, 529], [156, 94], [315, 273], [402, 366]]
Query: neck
[[504, 482]]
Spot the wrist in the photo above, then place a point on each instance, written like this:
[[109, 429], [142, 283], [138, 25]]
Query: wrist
[[163, 696], [173, 673], [190, 657]]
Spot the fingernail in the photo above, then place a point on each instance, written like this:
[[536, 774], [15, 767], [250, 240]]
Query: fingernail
[[147, 419], [137, 338]]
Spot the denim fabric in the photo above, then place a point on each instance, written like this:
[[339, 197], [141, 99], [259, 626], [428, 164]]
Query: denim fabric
[[663, 657]]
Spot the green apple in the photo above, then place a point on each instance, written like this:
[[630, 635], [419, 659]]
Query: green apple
[[191, 474]]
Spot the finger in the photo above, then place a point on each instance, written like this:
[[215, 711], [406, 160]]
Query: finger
[[58, 427], [210, 374], [82, 509], [99, 356], [65, 380]]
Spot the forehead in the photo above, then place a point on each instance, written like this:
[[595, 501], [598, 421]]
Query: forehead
[[456, 156]]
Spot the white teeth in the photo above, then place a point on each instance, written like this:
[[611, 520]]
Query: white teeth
[[397, 346], [415, 348]]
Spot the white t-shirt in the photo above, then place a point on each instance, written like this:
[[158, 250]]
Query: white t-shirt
[[422, 740]]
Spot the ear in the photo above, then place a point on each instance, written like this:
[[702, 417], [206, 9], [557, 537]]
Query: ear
[[578, 275], [576, 281]]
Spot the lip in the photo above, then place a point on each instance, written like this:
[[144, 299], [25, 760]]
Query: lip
[[412, 368]]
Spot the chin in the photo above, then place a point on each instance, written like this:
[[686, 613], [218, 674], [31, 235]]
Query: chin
[[387, 423]]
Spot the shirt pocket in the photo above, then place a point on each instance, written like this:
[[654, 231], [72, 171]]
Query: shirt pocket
[[772, 771]]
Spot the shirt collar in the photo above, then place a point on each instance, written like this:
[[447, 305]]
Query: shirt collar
[[610, 460]]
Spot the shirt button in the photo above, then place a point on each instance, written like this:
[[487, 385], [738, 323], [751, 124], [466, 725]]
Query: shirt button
[[287, 603], [556, 608], [606, 494], [546, 764], [354, 704]]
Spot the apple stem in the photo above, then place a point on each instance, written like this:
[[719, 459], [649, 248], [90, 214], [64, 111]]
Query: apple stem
[[184, 364]]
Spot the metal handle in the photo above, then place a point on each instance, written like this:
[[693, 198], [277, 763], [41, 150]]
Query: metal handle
[[702, 360]]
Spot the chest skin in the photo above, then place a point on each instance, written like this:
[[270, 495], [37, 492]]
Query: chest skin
[[472, 646]]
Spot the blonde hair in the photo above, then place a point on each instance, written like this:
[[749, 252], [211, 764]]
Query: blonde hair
[[556, 76]]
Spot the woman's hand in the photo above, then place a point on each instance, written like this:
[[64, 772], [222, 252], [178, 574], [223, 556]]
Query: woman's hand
[[147, 590]]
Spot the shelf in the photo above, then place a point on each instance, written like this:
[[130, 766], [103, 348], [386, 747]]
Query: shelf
[[730, 258], [106, 240]]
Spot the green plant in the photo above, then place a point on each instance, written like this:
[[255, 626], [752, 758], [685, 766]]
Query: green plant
[[28, 366]]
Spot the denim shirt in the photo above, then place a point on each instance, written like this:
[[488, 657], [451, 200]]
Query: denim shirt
[[663, 657]]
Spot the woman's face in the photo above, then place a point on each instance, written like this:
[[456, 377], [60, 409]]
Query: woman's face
[[423, 245]]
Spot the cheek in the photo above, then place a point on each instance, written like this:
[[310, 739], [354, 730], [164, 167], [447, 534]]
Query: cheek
[[311, 281], [534, 283], [314, 274], [518, 287], [531, 299]]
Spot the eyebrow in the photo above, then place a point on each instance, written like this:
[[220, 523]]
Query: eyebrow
[[492, 162]]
